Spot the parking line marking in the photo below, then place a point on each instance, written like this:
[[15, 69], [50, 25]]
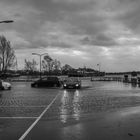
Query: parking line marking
[[18, 117], [38, 118], [23, 106]]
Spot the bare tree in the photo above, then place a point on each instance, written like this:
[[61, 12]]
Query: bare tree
[[30, 65], [7, 54]]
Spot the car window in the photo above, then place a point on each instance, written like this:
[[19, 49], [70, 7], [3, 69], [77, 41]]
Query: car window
[[52, 78], [71, 80], [45, 78]]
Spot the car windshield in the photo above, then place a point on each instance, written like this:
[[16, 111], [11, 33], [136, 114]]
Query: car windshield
[[71, 80]]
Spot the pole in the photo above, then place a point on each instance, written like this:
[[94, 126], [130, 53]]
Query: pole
[[40, 66], [40, 60], [99, 65], [6, 21]]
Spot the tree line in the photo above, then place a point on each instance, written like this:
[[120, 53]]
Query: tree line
[[48, 65]]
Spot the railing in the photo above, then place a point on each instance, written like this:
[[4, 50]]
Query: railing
[[106, 79]]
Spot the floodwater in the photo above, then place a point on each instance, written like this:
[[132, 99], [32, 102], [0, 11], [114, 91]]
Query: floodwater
[[99, 110]]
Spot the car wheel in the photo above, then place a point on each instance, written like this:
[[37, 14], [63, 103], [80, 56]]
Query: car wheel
[[36, 85], [58, 85], [79, 87], [55, 85], [32, 85]]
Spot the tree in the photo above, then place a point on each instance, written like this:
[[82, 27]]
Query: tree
[[47, 63], [7, 54], [67, 69], [56, 65], [30, 66]]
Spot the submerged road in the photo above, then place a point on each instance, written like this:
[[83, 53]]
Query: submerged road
[[100, 110]]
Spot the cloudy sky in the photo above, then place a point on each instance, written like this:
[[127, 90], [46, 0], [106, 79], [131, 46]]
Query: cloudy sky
[[77, 32]]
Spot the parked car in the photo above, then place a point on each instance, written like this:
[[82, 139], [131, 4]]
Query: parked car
[[71, 83], [5, 85], [50, 81]]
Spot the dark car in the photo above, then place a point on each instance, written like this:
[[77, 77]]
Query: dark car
[[47, 82], [72, 83]]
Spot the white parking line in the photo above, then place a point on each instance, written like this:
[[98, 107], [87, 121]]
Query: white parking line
[[18, 117], [22, 106], [36, 121]]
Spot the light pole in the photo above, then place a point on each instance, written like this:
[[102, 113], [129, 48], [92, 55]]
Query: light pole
[[99, 65], [40, 59], [6, 21]]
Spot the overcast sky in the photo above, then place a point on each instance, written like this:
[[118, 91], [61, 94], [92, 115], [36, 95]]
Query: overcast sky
[[76, 32]]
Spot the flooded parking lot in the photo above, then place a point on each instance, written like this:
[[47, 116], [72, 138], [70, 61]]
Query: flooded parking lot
[[95, 111]]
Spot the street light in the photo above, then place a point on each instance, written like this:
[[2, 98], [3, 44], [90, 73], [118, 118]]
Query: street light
[[6, 21], [40, 59], [99, 65]]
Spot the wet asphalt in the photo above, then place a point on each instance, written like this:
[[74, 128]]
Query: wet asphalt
[[74, 115]]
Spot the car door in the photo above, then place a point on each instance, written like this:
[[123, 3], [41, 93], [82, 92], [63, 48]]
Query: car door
[[50, 81], [44, 82], [1, 84]]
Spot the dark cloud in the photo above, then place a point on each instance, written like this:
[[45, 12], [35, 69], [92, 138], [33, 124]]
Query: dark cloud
[[52, 44], [132, 20], [100, 40], [103, 40], [74, 25], [129, 15]]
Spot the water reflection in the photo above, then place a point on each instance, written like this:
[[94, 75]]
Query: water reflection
[[133, 85], [76, 106], [127, 85], [63, 110], [70, 107], [0, 95], [76, 132]]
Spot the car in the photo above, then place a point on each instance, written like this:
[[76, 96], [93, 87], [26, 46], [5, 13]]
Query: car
[[72, 83], [50, 81], [5, 85]]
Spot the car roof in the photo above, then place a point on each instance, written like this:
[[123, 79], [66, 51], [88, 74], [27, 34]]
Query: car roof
[[50, 77]]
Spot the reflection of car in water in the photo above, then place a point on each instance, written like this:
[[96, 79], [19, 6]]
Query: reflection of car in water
[[4, 85], [70, 105], [47, 82], [72, 83]]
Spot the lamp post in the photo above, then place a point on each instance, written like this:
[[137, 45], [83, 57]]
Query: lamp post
[[99, 65], [6, 21], [40, 59]]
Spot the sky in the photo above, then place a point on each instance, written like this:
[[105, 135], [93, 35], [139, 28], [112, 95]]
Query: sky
[[76, 32]]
